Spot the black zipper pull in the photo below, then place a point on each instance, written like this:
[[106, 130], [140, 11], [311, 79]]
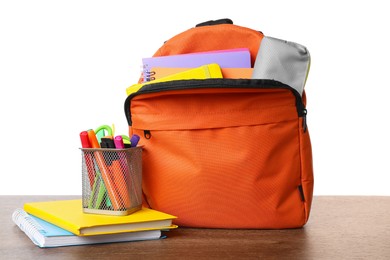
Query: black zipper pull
[[304, 124], [147, 134]]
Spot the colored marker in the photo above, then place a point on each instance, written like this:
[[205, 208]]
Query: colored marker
[[125, 139], [108, 182], [118, 141], [85, 140], [92, 139], [88, 157], [99, 192], [134, 140], [117, 174], [120, 182]]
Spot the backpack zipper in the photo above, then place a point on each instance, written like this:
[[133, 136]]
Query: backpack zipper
[[217, 83], [147, 134], [304, 123]]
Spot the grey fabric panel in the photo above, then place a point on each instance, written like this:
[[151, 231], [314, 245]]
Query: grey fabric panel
[[284, 61]]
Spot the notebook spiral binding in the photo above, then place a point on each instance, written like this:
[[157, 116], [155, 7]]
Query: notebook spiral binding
[[28, 225], [148, 75]]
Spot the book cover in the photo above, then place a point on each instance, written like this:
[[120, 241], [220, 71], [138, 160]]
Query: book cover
[[233, 58], [69, 215], [202, 72], [227, 73], [45, 234]]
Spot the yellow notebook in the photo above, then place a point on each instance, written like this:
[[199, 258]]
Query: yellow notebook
[[227, 73], [68, 214], [203, 72]]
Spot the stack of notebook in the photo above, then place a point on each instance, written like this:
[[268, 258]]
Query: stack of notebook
[[63, 223], [230, 63], [277, 59]]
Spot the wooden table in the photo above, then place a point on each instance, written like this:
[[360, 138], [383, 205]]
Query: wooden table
[[340, 227]]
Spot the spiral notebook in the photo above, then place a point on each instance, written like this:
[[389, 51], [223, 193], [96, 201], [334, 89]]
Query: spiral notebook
[[231, 58], [45, 234]]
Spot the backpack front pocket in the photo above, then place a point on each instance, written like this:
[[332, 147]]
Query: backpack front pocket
[[224, 157]]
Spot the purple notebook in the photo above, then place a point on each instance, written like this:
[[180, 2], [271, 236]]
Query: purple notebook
[[233, 58]]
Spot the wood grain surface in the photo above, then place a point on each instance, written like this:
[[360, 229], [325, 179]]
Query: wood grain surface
[[340, 227]]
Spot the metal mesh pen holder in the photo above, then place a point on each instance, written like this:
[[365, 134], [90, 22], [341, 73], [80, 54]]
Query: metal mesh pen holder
[[112, 180]]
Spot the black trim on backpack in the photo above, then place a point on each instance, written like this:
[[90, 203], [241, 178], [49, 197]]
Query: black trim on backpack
[[215, 83]]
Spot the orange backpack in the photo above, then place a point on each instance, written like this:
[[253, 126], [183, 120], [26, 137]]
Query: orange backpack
[[223, 153]]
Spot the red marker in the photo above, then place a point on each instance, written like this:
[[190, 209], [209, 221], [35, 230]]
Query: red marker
[[88, 157]]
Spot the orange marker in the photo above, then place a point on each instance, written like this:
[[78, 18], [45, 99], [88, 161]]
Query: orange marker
[[108, 182], [118, 176], [120, 183], [92, 139]]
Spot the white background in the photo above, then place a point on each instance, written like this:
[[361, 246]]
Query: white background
[[65, 65]]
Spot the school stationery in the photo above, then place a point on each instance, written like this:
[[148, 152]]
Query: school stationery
[[111, 181], [124, 168], [284, 61], [134, 140], [224, 153], [45, 234], [104, 130], [202, 72], [109, 184], [118, 172], [99, 191], [234, 58], [118, 141], [88, 157], [99, 194], [136, 181], [68, 215], [227, 73]]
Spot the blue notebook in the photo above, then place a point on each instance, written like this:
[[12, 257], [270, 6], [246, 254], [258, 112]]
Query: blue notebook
[[45, 234]]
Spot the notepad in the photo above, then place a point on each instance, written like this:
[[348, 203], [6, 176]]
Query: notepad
[[202, 72], [231, 58], [45, 234], [68, 214]]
